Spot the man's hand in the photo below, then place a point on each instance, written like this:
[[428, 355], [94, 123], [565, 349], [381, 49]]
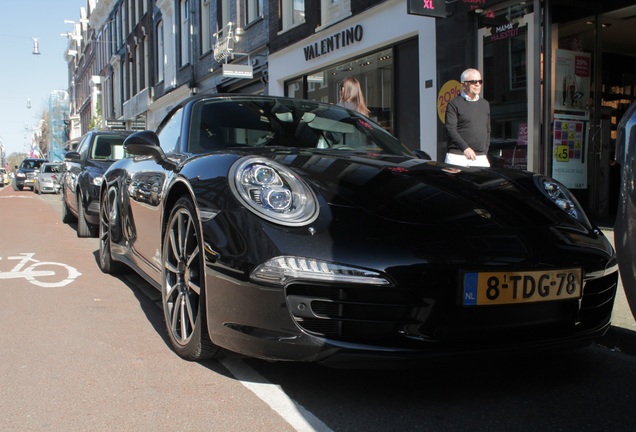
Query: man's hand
[[470, 154]]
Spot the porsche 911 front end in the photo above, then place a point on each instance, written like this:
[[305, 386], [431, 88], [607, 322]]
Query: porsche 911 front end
[[429, 262], [288, 229]]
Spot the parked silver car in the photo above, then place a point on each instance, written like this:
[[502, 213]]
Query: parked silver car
[[49, 178], [4, 177]]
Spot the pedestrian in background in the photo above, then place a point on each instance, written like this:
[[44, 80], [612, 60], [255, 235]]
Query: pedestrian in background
[[468, 124], [351, 96]]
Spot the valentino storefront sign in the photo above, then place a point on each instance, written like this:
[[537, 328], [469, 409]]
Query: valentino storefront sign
[[334, 42]]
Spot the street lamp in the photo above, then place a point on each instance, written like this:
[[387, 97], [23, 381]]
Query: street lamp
[[36, 47]]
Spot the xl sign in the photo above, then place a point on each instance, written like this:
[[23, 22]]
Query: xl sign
[[433, 8]]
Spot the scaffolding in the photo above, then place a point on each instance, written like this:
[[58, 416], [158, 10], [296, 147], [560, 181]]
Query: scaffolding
[[58, 117]]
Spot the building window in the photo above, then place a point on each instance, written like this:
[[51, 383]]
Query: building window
[[333, 11], [117, 31], [184, 32], [205, 26], [146, 63], [124, 21], [224, 14], [292, 13], [254, 10], [131, 15], [138, 71], [160, 58]]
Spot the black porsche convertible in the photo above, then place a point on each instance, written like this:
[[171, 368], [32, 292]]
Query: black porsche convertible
[[288, 229]]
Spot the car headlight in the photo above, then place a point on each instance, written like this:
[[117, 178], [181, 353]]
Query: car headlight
[[19, 174], [97, 181], [273, 191], [284, 269], [562, 198]]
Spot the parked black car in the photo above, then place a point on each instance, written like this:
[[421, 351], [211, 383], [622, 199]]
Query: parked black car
[[80, 187], [625, 225], [294, 230], [25, 173]]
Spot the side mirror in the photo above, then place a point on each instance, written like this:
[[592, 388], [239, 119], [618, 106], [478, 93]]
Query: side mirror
[[72, 156], [144, 143], [421, 154]]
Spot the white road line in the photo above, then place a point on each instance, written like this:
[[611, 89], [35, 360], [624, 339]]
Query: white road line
[[294, 413]]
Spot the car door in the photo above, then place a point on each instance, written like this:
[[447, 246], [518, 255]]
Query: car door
[[145, 186], [73, 171]]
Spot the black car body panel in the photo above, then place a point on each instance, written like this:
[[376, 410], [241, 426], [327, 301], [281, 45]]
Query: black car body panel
[[416, 227], [624, 234], [80, 187], [25, 173]]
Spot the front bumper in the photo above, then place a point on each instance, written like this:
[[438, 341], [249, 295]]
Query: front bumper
[[49, 187], [358, 323]]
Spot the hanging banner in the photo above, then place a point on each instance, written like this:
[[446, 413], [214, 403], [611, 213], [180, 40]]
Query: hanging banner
[[569, 164]]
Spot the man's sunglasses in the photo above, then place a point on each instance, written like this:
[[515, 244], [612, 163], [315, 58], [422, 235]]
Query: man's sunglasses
[[473, 82]]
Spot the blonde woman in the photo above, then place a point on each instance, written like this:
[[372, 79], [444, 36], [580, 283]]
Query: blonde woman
[[351, 96]]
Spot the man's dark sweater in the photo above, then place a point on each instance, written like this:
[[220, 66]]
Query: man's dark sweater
[[468, 125]]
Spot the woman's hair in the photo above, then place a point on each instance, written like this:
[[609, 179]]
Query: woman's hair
[[352, 92]]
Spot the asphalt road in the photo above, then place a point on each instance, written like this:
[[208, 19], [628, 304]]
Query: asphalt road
[[84, 351]]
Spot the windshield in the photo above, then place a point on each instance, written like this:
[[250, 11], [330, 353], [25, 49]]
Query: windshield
[[218, 124], [51, 168], [108, 147], [31, 164]]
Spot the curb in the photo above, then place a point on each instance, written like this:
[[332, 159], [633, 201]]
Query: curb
[[619, 339]]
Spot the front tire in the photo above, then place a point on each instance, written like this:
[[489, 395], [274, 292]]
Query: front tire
[[183, 284], [106, 262]]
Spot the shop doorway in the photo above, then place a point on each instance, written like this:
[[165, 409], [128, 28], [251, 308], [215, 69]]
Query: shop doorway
[[608, 38]]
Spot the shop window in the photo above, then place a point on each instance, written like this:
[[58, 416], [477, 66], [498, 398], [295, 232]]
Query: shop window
[[292, 13], [375, 73], [333, 11], [505, 53], [294, 89], [518, 65]]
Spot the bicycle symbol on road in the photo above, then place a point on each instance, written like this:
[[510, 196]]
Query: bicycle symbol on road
[[40, 273]]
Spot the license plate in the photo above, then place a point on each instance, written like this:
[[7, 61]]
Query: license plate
[[494, 288]]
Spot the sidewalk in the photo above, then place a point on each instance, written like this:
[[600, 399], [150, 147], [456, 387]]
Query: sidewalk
[[622, 334]]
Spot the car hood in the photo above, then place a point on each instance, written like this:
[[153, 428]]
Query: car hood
[[410, 190], [48, 176]]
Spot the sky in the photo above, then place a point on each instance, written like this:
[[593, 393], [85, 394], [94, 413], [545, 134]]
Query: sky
[[27, 77]]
